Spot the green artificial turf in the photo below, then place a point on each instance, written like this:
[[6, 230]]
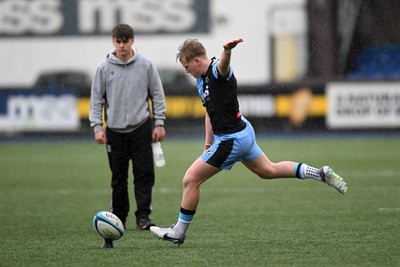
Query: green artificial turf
[[50, 191]]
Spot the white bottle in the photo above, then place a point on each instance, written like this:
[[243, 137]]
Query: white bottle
[[158, 154]]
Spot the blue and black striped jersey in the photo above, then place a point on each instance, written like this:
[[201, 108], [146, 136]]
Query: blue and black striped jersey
[[219, 96]]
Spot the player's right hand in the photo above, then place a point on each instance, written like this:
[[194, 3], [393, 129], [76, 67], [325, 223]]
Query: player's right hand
[[100, 137], [232, 44]]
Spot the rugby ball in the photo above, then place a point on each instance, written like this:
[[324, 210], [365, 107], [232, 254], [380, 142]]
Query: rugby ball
[[108, 225]]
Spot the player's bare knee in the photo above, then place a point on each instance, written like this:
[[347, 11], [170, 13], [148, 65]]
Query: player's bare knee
[[188, 180]]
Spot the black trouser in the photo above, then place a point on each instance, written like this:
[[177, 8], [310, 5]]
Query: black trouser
[[121, 148]]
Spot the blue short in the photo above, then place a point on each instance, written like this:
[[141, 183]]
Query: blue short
[[231, 148]]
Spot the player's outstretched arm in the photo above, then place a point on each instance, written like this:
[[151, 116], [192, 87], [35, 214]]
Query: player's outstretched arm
[[225, 60]]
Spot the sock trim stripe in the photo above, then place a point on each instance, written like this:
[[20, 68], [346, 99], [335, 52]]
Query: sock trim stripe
[[185, 217], [298, 170], [187, 212]]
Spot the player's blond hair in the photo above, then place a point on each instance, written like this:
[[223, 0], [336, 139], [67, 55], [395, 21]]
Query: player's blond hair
[[190, 49]]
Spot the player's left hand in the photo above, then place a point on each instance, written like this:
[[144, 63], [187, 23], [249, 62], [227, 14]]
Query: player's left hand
[[232, 44], [158, 133]]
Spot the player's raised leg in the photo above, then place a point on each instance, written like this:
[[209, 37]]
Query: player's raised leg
[[266, 169]]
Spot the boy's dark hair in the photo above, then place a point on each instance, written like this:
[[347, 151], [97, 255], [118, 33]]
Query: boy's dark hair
[[123, 32]]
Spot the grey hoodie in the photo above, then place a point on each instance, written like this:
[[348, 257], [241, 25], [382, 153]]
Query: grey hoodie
[[124, 89]]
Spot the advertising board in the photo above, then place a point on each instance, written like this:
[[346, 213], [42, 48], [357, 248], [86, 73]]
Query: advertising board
[[363, 105]]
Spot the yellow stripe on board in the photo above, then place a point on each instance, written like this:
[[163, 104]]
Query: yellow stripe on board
[[283, 105], [84, 107], [191, 106], [177, 107], [184, 106]]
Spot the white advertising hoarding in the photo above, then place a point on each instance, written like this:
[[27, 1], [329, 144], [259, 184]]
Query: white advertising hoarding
[[363, 105], [33, 112]]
